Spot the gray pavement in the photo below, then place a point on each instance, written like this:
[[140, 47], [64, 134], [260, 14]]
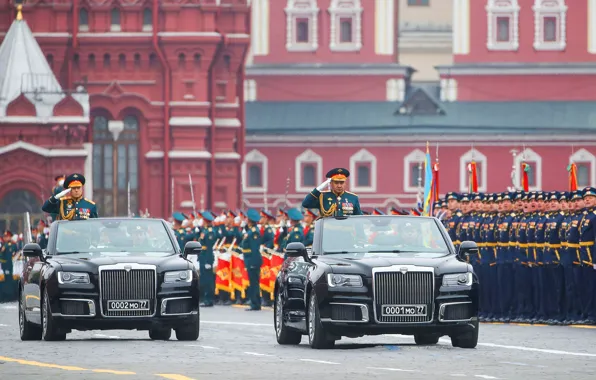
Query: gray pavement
[[238, 345]]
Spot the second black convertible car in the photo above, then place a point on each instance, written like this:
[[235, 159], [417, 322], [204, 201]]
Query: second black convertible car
[[371, 275], [103, 274]]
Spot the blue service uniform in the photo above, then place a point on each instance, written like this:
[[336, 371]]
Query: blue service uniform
[[571, 262], [251, 249], [489, 269], [539, 292], [504, 265], [587, 237], [523, 279]]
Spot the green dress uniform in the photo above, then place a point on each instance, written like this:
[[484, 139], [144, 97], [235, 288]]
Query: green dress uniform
[[251, 249], [295, 232], [331, 204], [69, 208], [209, 236]]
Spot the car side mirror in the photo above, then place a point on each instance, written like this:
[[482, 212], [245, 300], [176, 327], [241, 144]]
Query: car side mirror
[[297, 249], [467, 248], [192, 248], [32, 250]]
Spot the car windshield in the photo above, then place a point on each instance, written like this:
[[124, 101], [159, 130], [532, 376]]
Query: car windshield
[[384, 235], [117, 237]]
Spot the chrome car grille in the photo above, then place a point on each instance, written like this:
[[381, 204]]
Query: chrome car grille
[[131, 284], [414, 286]]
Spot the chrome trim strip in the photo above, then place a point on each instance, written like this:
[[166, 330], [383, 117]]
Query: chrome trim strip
[[399, 268], [164, 304], [123, 266], [442, 312], [90, 303], [363, 309]]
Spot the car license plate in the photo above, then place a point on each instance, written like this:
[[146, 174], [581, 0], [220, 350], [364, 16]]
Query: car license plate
[[403, 310], [128, 305]]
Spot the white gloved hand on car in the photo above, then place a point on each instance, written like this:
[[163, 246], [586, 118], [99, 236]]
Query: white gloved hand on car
[[62, 193], [324, 185]]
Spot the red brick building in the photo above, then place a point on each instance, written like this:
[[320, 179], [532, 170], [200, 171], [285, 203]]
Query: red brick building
[[330, 92], [146, 92]]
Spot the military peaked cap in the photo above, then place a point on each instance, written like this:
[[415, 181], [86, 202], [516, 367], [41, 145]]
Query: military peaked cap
[[74, 180], [338, 174]]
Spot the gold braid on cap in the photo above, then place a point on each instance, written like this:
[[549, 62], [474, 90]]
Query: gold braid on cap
[[331, 210], [67, 216]]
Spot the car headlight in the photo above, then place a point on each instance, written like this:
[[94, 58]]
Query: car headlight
[[73, 278], [344, 280], [459, 279], [178, 276]]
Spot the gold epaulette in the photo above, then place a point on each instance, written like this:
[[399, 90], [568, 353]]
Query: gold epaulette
[[351, 193], [89, 200]]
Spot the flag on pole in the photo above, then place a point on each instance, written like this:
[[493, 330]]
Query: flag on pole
[[525, 170], [473, 177], [428, 184], [572, 169]]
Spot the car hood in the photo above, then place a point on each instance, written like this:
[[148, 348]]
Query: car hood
[[347, 264], [84, 263]]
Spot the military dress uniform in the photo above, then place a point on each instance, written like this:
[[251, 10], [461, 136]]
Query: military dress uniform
[[295, 231], [251, 250], [209, 236], [69, 208], [331, 204], [587, 238]]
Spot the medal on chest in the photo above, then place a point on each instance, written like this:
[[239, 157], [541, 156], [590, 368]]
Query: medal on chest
[[346, 206]]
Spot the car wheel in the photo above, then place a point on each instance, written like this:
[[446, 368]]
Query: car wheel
[[317, 337], [468, 339], [283, 334], [426, 339], [160, 333], [189, 332], [28, 330], [49, 330]]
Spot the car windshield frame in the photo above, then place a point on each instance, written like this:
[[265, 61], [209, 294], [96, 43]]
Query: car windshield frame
[[379, 235], [129, 237]]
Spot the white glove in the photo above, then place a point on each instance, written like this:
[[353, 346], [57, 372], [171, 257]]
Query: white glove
[[62, 193], [237, 219], [195, 222], [201, 221], [324, 185], [61, 182]]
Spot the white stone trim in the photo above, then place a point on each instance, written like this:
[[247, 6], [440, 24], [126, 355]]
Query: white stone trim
[[115, 34], [584, 156], [448, 90], [255, 156], [302, 9], [416, 156], [550, 8], [396, 90], [498, 8], [186, 103], [250, 90], [528, 156], [308, 156], [202, 154], [44, 152], [481, 160], [384, 27], [260, 28], [592, 26], [154, 154], [227, 156], [189, 34], [88, 147], [519, 69], [363, 156], [461, 27], [345, 9], [44, 120], [189, 121], [224, 122]]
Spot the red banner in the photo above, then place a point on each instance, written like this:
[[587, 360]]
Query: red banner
[[222, 276], [265, 280], [239, 274]]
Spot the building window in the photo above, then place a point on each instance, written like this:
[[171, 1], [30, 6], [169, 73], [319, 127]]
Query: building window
[[306, 163], [301, 25], [83, 20], [396, 90], [413, 168], [152, 60], [363, 170], [197, 60], [147, 20], [503, 25], [115, 20], [534, 160], [418, 2], [115, 166], [346, 25], [481, 170], [106, 60], [250, 90], [122, 61], [586, 167], [137, 60], [181, 61], [50, 59], [91, 59], [550, 24], [254, 172]]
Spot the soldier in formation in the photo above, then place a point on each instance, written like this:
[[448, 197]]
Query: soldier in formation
[[536, 253]]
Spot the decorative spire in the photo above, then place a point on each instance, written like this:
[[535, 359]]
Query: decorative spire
[[19, 12]]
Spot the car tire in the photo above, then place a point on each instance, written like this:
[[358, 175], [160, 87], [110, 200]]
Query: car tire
[[468, 339], [160, 333], [28, 330], [49, 330], [283, 334], [426, 339], [317, 336], [189, 332]]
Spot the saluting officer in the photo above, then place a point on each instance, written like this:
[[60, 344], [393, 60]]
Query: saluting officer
[[338, 201], [251, 249], [69, 204]]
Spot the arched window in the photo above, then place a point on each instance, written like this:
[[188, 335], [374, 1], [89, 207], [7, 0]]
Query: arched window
[[122, 61], [14, 204], [83, 20], [152, 60], [115, 20], [197, 60], [91, 59], [115, 165], [106, 60], [181, 60], [137, 60], [147, 19]]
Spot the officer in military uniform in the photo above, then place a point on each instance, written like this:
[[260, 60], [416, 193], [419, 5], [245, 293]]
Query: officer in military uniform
[[69, 204], [209, 236], [338, 201], [295, 231], [309, 228], [251, 249]]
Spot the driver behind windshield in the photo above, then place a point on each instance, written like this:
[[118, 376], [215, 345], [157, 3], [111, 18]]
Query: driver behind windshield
[[140, 238], [410, 235]]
